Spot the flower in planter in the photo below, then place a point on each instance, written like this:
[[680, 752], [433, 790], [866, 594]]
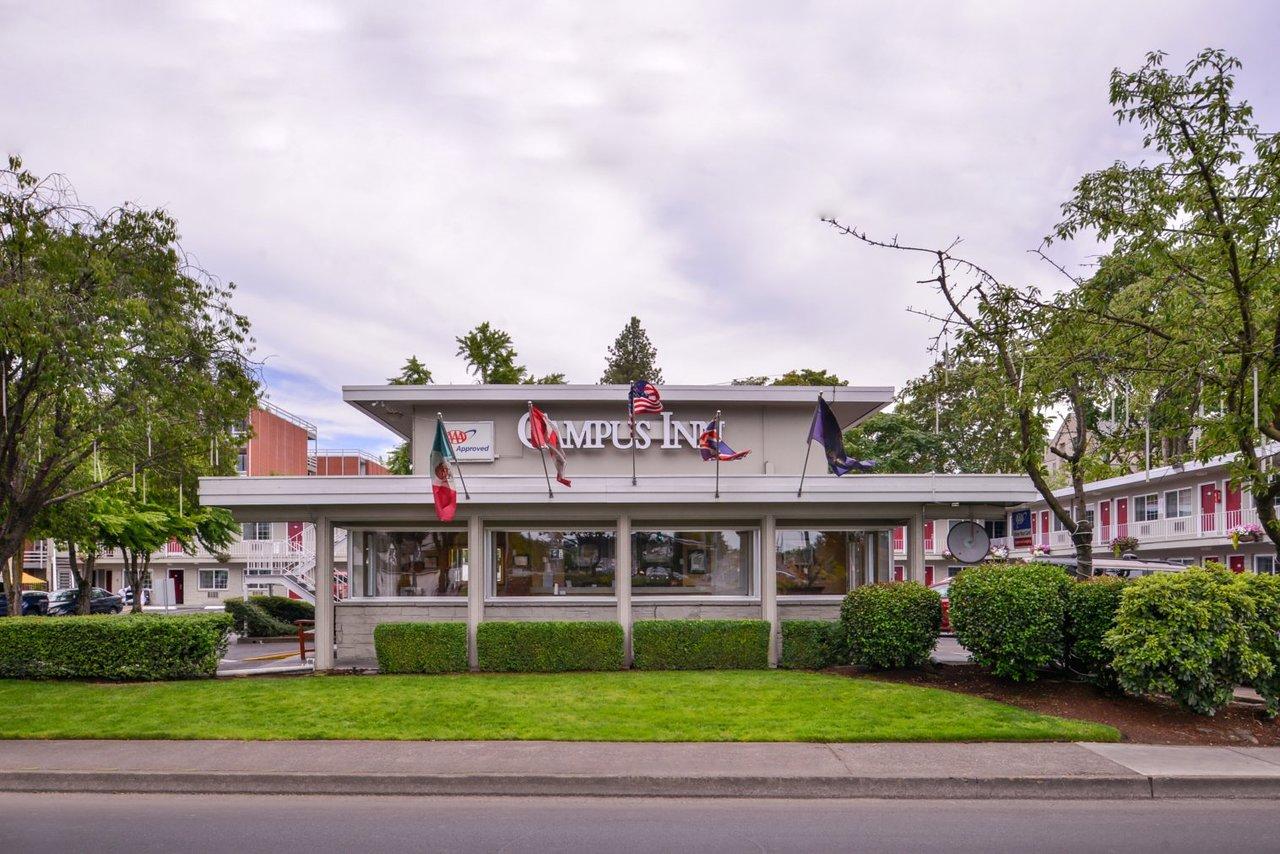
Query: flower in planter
[[999, 552], [1121, 545], [1040, 549], [1249, 532]]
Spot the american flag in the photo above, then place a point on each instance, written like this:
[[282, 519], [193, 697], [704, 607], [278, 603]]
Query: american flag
[[644, 398]]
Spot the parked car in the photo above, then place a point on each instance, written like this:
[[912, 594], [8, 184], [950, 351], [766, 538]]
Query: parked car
[[34, 603], [944, 588], [63, 603]]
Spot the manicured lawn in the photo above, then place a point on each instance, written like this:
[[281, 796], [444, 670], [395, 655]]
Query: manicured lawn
[[629, 706]]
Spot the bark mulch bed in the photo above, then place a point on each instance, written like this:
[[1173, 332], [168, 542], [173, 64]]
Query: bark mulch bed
[[1139, 720]]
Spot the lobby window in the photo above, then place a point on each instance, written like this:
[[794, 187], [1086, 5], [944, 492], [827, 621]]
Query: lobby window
[[1146, 508], [212, 579], [412, 563], [830, 563], [553, 563], [256, 531], [707, 563]]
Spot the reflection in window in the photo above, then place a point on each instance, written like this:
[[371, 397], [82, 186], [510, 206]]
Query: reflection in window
[[830, 563], [714, 563], [553, 563], [414, 563]]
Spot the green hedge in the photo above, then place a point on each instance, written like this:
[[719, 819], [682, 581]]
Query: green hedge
[[421, 647], [1010, 616], [141, 646], [549, 647], [252, 621], [1091, 613], [1191, 636], [808, 644], [284, 609], [700, 644], [888, 626], [1264, 635]]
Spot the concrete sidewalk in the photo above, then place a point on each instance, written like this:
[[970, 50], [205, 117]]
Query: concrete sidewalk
[[620, 769]]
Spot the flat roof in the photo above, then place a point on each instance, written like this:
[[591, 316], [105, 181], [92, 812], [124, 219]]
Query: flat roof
[[390, 405]]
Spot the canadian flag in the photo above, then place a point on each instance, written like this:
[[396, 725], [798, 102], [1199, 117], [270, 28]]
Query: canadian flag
[[543, 436]]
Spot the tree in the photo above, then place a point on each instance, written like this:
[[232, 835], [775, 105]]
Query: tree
[[108, 335], [632, 357], [491, 356], [1198, 227], [413, 373], [799, 376]]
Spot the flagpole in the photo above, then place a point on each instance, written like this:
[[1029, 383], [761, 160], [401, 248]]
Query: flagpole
[[457, 463], [808, 446], [542, 452], [719, 438], [631, 418]]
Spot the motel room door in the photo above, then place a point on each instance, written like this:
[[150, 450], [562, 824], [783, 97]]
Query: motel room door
[[1122, 517], [1231, 504], [1104, 520], [1209, 495], [1236, 562], [176, 575]]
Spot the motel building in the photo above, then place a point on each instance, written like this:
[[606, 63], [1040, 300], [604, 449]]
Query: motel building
[[674, 543]]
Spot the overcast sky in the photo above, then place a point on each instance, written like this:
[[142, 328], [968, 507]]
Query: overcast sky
[[379, 178]]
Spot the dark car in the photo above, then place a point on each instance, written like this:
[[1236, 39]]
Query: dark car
[[34, 603], [63, 603]]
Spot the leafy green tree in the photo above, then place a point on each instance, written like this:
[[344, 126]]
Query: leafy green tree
[[897, 444], [809, 376], [1198, 221], [413, 373], [490, 355], [108, 333], [632, 357]]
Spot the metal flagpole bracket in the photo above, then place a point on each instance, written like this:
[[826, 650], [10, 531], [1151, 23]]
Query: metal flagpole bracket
[[456, 462]]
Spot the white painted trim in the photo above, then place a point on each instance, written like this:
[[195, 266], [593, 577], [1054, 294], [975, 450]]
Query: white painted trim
[[543, 601], [458, 601]]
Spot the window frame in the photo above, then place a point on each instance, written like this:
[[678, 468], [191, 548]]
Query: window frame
[[1275, 565], [844, 529], [354, 547], [1191, 511], [753, 570], [491, 595], [226, 575], [1139, 519], [257, 528]]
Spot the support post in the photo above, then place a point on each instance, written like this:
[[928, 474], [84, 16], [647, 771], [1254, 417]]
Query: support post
[[477, 579], [915, 547], [622, 584], [769, 586], [324, 594]]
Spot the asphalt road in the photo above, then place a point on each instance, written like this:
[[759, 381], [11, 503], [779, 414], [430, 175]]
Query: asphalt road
[[281, 825]]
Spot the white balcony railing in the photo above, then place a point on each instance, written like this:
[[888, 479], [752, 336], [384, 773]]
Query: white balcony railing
[[1202, 526]]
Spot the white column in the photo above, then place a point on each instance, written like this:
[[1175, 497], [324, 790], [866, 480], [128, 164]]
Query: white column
[[477, 582], [324, 594], [622, 583], [769, 586], [915, 547]]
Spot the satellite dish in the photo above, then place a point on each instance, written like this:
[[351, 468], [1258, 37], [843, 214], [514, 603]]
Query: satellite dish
[[968, 542]]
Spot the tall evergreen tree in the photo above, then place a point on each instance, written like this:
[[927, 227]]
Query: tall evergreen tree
[[399, 461], [632, 357]]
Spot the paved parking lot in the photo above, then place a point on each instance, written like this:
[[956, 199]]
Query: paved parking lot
[[253, 656]]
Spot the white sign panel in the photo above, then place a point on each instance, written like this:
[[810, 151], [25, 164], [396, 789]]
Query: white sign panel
[[472, 440]]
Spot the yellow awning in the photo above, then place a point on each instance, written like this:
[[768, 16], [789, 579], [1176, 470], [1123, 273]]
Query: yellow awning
[[28, 578]]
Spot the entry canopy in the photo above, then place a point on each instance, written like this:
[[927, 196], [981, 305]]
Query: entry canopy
[[392, 405]]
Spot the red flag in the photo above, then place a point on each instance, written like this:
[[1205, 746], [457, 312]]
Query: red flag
[[543, 435]]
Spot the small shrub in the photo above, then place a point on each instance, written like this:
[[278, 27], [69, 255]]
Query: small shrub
[[1091, 613], [700, 644], [887, 626], [1010, 616], [808, 644], [421, 647], [549, 647], [1264, 635], [1186, 635], [141, 646], [284, 609], [251, 621]]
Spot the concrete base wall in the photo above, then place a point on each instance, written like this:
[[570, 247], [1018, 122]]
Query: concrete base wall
[[354, 622], [495, 612], [642, 609], [808, 610]]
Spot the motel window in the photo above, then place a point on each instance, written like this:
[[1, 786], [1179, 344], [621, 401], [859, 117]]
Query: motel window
[[1146, 508], [257, 531], [242, 461], [553, 563], [1177, 503], [996, 528], [1057, 523], [411, 563], [212, 579], [707, 563], [830, 563], [1264, 564]]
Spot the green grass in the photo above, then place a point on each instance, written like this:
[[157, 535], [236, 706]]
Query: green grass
[[627, 706]]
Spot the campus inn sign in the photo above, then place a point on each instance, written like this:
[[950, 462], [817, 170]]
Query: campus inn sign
[[672, 542]]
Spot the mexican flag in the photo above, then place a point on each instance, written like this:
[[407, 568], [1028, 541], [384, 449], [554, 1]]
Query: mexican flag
[[446, 497]]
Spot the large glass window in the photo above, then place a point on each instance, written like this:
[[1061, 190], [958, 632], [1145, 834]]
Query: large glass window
[[553, 563], [709, 563], [1146, 508], [830, 563], [1177, 503], [256, 531], [412, 563], [212, 579]]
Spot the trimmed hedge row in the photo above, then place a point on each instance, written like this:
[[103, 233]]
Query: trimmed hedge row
[[892, 625], [135, 647], [421, 647], [251, 620], [1091, 613], [284, 609], [809, 644], [1010, 616], [700, 644], [549, 647]]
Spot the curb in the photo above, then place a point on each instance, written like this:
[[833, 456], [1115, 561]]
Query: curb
[[1133, 787]]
